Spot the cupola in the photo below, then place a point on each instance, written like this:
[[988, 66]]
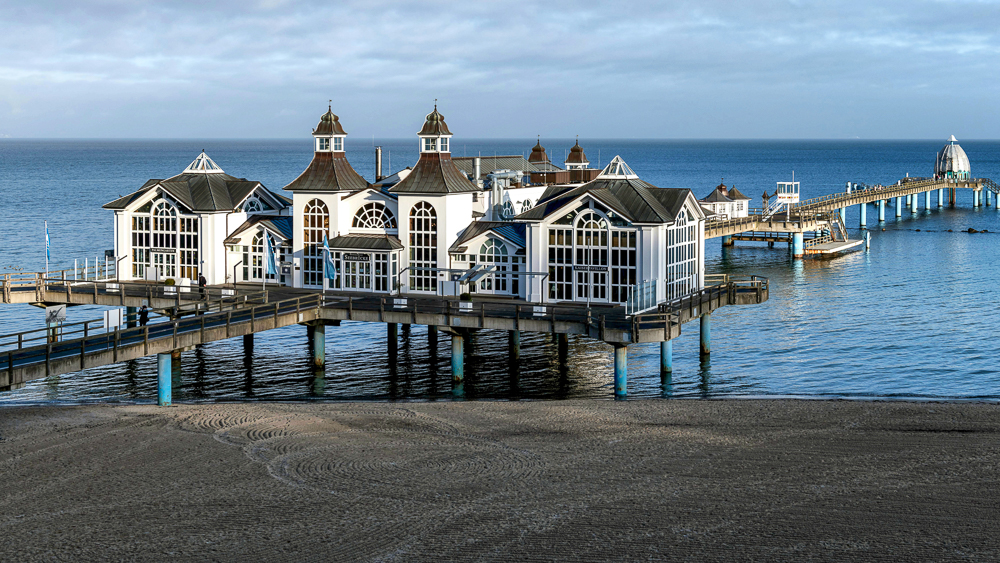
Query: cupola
[[329, 134], [435, 135], [538, 155], [203, 165], [952, 162], [576, 160]]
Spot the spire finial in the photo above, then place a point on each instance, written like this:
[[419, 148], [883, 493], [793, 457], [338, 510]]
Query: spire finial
[[435, 104], [330, 107]]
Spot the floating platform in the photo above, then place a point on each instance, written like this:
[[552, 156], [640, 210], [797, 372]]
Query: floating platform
[[833, 247]]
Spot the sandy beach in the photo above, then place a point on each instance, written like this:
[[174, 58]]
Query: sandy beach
[[502, 481]]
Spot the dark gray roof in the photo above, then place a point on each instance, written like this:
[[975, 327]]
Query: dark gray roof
[[717, 196], [736, 194], [514, 232], [435, 173], [280, 224], [199, 192], [365, 242], [328, 172], [634, 199]]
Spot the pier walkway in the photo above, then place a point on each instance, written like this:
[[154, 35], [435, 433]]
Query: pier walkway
[[190, 318], [819, 215]]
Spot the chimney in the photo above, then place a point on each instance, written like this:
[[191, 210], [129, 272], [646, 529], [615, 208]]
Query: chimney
[[476, 171], [378, 163]]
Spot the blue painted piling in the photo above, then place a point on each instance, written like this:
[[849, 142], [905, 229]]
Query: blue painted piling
[[319, 345], [843, 215], [621, 370], [457, 358], [666, 357], [727, 240], [164, 373], [864, 210], [798, 247], [927, 200], [988, 194], [912, 199], [881, 210], [899, 207], [706, 334], [941, 197]]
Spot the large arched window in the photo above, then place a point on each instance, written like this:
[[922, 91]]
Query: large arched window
[[494, 253], [253, 205], [591, 257], [374, 215], [682, 256], [164, 225], [423, 247], [316, 225]]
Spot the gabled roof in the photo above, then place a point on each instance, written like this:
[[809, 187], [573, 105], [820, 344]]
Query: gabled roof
[[435, 173], [278, 224], [716, 196], [328, 172], [635, 199], [514, 232], [198, 192], [365, 242], [735, 194]]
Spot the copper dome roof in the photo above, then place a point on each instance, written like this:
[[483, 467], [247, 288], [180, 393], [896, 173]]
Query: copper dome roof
[[538, 153], [434, 124], [329, 124], [576, 155]]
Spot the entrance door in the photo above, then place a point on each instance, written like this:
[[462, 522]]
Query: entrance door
[[357, 273], [166, 263]]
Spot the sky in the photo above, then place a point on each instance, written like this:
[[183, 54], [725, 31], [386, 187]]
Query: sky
[[786, 69]]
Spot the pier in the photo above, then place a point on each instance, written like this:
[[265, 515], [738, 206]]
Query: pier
[[816, 225], [191, 318]]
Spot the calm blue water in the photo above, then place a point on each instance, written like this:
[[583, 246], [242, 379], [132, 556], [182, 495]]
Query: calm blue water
[[916, 317]]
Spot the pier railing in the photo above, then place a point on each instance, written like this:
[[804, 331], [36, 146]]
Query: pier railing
[[33, 287]]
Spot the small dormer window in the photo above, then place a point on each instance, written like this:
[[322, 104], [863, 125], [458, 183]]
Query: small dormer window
[[430, 144], [324, 144], [444, 144], [338, 144]]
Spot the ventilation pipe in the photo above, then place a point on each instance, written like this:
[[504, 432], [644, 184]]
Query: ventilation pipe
[[378, 163], [476, 171]]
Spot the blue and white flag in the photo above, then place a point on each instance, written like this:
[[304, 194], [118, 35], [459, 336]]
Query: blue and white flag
[[269, 264], [48, 246], [329, 268]]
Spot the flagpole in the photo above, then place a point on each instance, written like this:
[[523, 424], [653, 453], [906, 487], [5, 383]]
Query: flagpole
[[46, 249]]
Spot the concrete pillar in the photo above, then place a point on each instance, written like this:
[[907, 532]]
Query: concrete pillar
[[899, 207], [798, 248], [319, 345], [727, 240], [988, 194], [666, 357], [621, 370], [864, 210], [975, 198], [940, 197], [457, 358], [881, 210], [248, 342], [514, 343], [706, 334], [131, 316], [913, 203], [909, 199], [164, 372], [432, 336], [927, 200], [563, 341], [843, 215]]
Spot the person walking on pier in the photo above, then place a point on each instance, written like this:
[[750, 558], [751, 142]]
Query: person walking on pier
[[202, 282], [143, 316]]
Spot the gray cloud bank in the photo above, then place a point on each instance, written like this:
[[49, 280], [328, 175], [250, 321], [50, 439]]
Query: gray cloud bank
[[703, 69]]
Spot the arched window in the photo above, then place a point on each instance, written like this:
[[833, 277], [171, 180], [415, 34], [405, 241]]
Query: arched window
[[507, 210], [423, 247], [494, 253], [316, 225], [525, 205], [682, 256], [253, 205], [374, 215], [164, 225], [592, 254], [257, 256]]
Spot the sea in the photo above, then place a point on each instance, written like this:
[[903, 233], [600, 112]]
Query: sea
[[914, 317]]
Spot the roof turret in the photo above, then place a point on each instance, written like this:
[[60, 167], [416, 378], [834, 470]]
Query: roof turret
[[576, 155], [203, 165], [538, 153], [329, 124], [434, 124], [952, 161]]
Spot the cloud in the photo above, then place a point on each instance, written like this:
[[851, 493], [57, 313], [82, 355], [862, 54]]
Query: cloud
[[707, 68]]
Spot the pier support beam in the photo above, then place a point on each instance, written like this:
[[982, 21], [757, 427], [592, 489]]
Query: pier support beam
[[727, 240], [987, 193], [975, 198], [706, 334], [864, 210], [909, 200], [432, 336], [881, 210], [319, 345], [913, 203], [940, 197], [164, 372], [666, 357], [899, 207], [392, 336], [843, 215], [130, 316], [563, 342], [514, 343], [248, 342], [457, 358], [927, 200], [621, 370], [798, 246]]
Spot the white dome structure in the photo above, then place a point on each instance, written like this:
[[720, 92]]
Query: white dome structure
[[952, 162]]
